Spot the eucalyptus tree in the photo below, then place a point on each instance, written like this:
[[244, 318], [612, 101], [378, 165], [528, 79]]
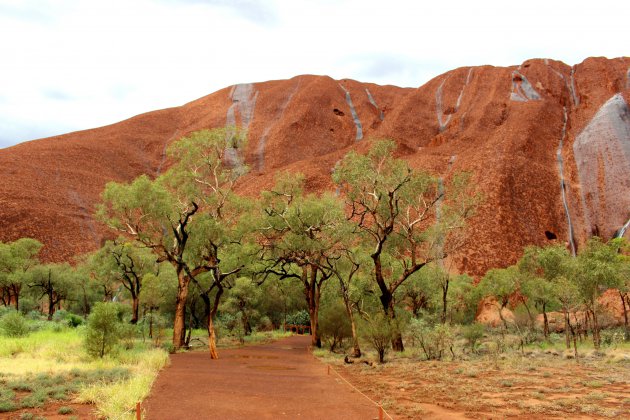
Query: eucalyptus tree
[[394, 208], [541, 267], [502, 284], [103, 273], [298, 233], [55, 282], [156, 289], [123, 262], [567, 292], [597, 269], [242, 300], [624, 290], [189, 216], [346, 268], [16, 260]]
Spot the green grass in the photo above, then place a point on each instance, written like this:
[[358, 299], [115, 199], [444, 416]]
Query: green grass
[[52, 365], [65, 410]]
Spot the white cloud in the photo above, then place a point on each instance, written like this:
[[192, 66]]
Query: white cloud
[[71, 64]]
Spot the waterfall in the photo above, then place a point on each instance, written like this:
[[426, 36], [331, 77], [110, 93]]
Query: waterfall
[[244, 101], [622, 231], [522, 90], [381, 114], [563, 191], [355, 116]]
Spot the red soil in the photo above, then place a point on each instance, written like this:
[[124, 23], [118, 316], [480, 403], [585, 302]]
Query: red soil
[[277, 380]]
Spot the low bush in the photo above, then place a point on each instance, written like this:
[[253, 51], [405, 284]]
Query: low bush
[[473, 333], [378, 332], [103, 329], [14, 324], [299, 318], [434, 340], [334, 325]]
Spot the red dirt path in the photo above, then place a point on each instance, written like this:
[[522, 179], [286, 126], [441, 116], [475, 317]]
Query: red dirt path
[[276, 380]]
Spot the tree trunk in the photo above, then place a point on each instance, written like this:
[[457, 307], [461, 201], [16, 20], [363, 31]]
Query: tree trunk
[[151, 322], [312, 301], [625, 316], [356, 350], [247, 328], [212, 339], [503, 305], [570, 327], [135, 308], [313, 313], [567, 333], [596, 337], [545, 320], [532, 321], [180, 309], [444, 300], [212, 336], [51, 305], [397, 341], [16, 296]]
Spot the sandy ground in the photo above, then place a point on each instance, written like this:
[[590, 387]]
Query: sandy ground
[[277, 380]]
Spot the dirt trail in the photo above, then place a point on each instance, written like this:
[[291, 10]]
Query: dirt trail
[[277, 380]]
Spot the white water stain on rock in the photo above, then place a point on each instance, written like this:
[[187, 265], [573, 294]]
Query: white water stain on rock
[[355, 116], [602, 156], [563, 187], [381, 114], [243, 98], [522, 90], [443, 122], [621, 232]]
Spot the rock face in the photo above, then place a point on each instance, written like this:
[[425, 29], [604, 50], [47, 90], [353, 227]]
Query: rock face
[[548, 144]]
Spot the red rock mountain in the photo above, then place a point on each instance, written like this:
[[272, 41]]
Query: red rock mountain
[[523, 131]]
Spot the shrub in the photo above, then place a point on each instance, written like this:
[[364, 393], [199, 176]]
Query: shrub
[[264, 324], [6, 406], [14, 324], [473, 333], [378, 332], [34, 315], [74, 320], [103, 329], [334, 325], [434, 340], [299, 318], [65, 410]]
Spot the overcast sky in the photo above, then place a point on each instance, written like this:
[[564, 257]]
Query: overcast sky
[[67, 65]]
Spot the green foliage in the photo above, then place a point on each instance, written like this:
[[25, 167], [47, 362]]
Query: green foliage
[[435, 339], [299, 318], [189, 216], [597, 268], [16, 260], [334, 324], [242, 300], [473, 333], [103, 329], [7, 406], [378, 331], [63, 410], [14, 324]]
